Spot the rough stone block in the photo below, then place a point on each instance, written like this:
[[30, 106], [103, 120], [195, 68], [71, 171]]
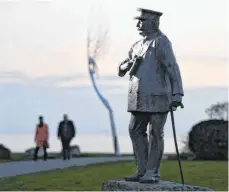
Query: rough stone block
[[122, 185]]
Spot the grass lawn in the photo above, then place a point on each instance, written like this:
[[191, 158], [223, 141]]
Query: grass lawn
[[213, 174]]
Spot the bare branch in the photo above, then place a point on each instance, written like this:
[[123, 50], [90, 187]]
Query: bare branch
[[218, 110], [97, 34]]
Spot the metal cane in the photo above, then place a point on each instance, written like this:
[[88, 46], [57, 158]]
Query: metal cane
[[175, 141]]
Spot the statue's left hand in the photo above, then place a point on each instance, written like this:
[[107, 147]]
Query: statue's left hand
[[177, 104], [177, 101]]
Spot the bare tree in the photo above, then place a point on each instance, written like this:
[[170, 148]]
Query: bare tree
[[96, 39], [218, 111]]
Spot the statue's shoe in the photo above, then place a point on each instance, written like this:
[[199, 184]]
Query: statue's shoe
[[134, 178], [149, 179]]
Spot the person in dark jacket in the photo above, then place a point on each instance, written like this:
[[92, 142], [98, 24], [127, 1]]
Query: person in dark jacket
[[66, 132]]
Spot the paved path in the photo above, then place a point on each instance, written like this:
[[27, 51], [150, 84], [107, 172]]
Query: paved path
[[23, 167]]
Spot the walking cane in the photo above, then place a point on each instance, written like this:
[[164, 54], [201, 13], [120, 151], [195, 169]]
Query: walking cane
[[175, 141]]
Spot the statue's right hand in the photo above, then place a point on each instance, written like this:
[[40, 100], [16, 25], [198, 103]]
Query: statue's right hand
[[126, 66]]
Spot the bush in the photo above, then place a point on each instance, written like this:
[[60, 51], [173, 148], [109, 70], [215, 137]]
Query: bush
[[208, 140]]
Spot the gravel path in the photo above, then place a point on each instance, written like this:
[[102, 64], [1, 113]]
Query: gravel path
[[24, 167]]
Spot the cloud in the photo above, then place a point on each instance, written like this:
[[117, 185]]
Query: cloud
[[203, 74], [52, 80], [13, 76], [62, 81], [193, 75]]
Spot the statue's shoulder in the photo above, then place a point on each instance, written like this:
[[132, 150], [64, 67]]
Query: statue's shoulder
[[162, 40]]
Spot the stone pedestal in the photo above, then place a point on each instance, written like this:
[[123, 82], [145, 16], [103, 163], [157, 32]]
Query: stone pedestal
[[122, 185]]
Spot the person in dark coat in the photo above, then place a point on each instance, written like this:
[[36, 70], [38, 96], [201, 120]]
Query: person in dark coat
[[66, 132]]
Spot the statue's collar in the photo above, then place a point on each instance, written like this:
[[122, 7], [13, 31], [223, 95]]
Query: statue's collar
[[152, 36]]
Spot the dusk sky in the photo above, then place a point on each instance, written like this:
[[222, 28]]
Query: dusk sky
[[43, 66]]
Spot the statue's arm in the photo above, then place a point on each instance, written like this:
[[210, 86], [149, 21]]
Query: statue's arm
[[165, 54], [125, 65], [123, 68]]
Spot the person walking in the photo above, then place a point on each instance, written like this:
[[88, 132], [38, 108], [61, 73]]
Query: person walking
[[41, 138], [66, 132]]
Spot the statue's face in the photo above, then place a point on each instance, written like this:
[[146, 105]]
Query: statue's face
[[146, 26], [141, 26]]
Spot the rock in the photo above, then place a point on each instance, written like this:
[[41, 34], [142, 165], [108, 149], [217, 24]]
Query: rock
[[208, 140], [121, 185], [30, 152], [75, 150], [5, 153]]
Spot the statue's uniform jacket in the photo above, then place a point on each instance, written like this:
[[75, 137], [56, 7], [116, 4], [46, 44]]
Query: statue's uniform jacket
[[157, 78]]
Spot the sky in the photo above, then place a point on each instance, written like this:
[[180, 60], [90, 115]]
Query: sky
[[43, 65]]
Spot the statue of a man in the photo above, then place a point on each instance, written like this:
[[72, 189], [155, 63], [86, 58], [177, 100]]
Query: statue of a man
[[155, 87]]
